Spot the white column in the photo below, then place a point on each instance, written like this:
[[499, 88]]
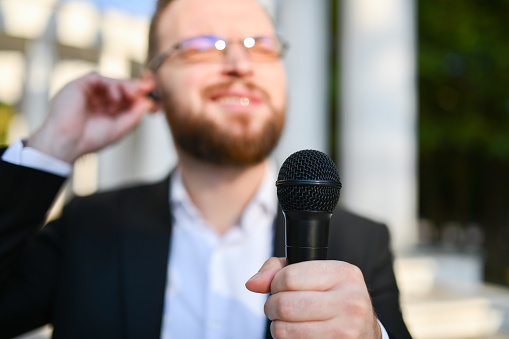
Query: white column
[[378, 105], [155, 151], [41, 58], [147, 153], [305, 26]]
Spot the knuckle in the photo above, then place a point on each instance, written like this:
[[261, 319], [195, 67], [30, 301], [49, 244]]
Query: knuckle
[[350, 333], [358, 305], [273, 261], [338, 331], [267, 307], [345, 330], [279, 330], [353, 275], [305, 330], [284, 307], [289, 279], [354, 271]]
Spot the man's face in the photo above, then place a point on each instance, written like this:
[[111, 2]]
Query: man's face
[[228, 111]]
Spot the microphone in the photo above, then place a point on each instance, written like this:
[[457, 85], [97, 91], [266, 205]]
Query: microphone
[[308, 189]]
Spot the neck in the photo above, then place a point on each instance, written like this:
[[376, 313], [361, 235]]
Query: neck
[[221, 193]]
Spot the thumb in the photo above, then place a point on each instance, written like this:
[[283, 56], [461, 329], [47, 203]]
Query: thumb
[[260, 282]]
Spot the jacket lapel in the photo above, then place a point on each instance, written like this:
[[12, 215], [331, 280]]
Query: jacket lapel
[[145, 247]]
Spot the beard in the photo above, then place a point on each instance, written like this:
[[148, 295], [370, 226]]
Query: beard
[[205, 140]]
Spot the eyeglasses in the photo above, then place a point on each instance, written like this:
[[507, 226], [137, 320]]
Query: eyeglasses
[[211, 48]]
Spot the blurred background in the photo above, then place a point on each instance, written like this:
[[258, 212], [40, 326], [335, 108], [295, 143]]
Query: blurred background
[[410, 98]]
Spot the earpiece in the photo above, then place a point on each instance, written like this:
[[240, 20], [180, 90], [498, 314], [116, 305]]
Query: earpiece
[[153, 95]]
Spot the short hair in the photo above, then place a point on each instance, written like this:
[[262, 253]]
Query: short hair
[[153, 39]]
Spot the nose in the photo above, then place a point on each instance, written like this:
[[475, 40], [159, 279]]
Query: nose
[[237, 62]]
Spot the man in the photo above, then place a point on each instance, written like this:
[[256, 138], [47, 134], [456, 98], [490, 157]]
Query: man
[[133, 264]]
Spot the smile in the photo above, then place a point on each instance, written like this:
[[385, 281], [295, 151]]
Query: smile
[[233, 100]]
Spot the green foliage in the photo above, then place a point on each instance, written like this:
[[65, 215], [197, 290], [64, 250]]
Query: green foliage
[[463, 73], [6, 113], [464, 121]]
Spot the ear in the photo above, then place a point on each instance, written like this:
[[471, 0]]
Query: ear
[[148, 76]]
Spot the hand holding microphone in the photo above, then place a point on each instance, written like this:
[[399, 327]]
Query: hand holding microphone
[[312, 297]]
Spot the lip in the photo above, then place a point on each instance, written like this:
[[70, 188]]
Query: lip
[[236, 100]]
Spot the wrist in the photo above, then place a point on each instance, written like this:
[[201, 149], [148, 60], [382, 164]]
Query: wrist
[[47, 143]]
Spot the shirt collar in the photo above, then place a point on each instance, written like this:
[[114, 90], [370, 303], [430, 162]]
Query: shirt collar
[[265, 196], [179, 195]]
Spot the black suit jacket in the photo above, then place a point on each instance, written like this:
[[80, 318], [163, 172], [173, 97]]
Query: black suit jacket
[[99, 271]]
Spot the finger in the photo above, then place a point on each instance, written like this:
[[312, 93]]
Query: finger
[[137, 88], [260, 282], [123, 94], [126, 120], [103, 95], [114, 100], [303, 306], [147, 84], [316, 275], [112, 95], [317, 329]]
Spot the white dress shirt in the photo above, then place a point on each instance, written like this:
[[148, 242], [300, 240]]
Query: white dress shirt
[[205, 295]]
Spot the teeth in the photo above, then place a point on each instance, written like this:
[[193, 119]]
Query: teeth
[[234, 100], [244, 101]]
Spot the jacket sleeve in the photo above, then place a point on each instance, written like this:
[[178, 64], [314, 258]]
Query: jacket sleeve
[[28, 264], [384, 289], [366, 244]]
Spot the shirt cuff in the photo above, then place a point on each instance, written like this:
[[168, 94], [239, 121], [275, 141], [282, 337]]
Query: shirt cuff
[[385, 335], [18, 154]]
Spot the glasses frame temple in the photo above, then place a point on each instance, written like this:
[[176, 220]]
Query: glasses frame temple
[[158, 60]]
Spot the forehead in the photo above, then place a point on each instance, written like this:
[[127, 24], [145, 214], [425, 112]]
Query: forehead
[[225, 18]]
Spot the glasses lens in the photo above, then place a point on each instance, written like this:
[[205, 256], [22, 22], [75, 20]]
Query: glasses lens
[[263, 48], [201, 48]]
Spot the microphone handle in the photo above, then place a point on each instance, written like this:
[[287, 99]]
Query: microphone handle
[[307, 235]]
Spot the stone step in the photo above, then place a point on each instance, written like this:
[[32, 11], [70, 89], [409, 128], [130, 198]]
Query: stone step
[[443, 297], [415, 276], [452, 318]]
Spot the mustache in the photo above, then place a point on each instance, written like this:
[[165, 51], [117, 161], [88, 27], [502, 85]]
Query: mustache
[[226, 85]]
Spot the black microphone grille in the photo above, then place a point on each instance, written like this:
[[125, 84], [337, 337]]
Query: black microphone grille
[[308, 181]]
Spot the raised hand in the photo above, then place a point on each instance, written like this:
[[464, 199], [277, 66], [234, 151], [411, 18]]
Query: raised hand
[[90, 113], [316, 299]]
